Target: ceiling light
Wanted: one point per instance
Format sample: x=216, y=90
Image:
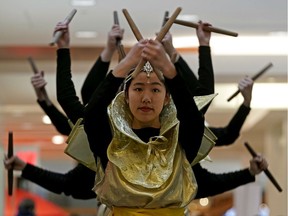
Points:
x=46, y=119
x=204, y=202
x=86, y=34
x=82, y=3
x=271, y=45
x=58, y=139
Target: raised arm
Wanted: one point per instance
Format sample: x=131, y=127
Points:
x=205, y=83
x=205, y=71
x=191, y=119
x=227, y=135
x=58, y=119
x=101, y=66
x=96, y=121
x=66, y=94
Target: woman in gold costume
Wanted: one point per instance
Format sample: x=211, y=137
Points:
x=144, y=155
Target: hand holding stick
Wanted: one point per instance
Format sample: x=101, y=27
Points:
x=120, y=48
x=138, y=36
x=256, y=76
x=168, y=24
x=267, y=172
x=32, y=63
x=67, y=20
x=206, y=28
x=10, y=171
x=159, y=37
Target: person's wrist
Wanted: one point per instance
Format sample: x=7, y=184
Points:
x=247, y=103
x=252, y=172
x=63, y=45
x=169, y=71
x=23, y=166
x=204, y=43
x=174, y=57
x=107, y=54
x=40, y=97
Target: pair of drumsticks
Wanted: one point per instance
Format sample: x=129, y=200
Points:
x=167, y=23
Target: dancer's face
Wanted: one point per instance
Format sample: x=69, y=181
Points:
x=146, y=98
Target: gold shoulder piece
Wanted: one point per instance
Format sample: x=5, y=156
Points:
x=78, y=146
x=208, y=142
x=202, y=101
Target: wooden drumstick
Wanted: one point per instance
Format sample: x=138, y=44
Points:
x=67, y=20
x=119, y=45
x=166, y=17
x=159, y=37
x=10, y=171
x=256, y=76
x=33, y=65
x=115, y=15
x=266, y=171
x=138, y=36
x=132, y=25
x=206, y=28
x=168, y=24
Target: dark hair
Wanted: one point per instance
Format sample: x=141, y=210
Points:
x=26, y=207
x=125, y=85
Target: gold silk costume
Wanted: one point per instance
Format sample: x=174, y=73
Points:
x=78, y=145
x=143, y=176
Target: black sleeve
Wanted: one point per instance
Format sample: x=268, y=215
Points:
x=204, y=85
x=58, y=119
x=77, y=183
x=205, y=74
x=95, y=76
x=188, y=75
x=210, y=184
x=191, y=127
x=66, y=94
x=227, y=135
x=96, y=119
x=205, y=71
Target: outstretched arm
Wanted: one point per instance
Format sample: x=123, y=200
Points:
x=71, y=183
x=210, y=184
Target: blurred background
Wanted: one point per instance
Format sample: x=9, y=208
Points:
x=26, y=31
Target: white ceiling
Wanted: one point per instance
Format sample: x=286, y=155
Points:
x=27, y=26
x=32, y=22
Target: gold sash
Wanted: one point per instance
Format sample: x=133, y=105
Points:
x=151, y=212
